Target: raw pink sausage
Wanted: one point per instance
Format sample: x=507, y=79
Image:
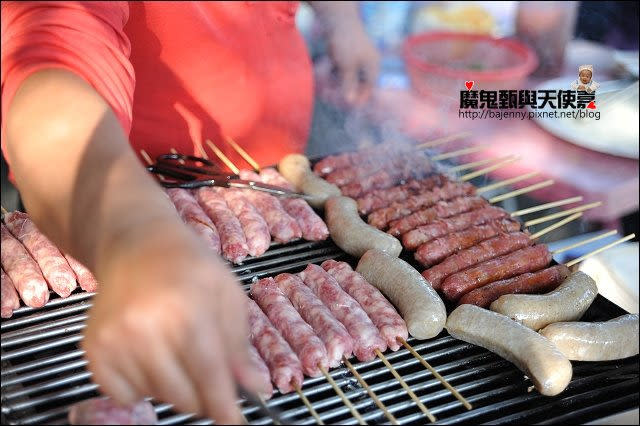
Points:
x=23, y=271
x=54, y=266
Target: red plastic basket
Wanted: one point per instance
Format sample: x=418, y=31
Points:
x=441, y=62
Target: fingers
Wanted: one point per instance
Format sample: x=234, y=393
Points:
x=208, y=368
x=237, y=351
x=350, y=82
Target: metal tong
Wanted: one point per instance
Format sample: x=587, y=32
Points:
x=190, y=172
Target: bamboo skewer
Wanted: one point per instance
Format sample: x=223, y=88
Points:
x=558, y=203
x=435, y=374
x=341, y=394
x=306, y=402
x=443, y=140
x=478, y=163
x=459, y=152
x=488, y=169
x=173, y=151
x=244, y=154
x=601, y=249
x=521, y=191
x=586, y=241
x=222, y=157
x=562, y=213
x=370, y=391
x=406, y=387
x=506, y=182
x=555, y=225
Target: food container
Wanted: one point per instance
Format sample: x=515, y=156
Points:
x=439, y=63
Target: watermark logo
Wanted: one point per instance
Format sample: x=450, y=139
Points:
x=577, y=102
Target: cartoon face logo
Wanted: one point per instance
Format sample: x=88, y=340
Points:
x=585, y=82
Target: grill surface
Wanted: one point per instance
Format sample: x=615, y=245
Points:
x=43, y=371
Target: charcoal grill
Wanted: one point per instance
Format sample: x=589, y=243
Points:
x=43, y=370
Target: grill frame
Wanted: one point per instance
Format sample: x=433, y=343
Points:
x=42, y=376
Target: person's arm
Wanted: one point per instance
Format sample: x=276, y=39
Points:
x=169, y=320
x=355, y=58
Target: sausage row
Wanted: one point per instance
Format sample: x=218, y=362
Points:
x=32, y=264
x=239, y=223
x=304, y=323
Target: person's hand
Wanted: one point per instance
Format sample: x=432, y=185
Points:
x=581, y=87
x=355, y=59
x=169, y=322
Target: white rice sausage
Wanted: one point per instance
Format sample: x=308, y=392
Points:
x=595, y=341
x=354, y=235
x=535, y=355
x=418, y=303
x=297, y=170
x=568, y=302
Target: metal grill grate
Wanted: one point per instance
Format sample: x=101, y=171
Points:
x=43, y=371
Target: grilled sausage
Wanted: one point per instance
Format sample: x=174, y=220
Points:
x=529, y=259
x=418, y=303
x=297, y=170
x=381, y=217
x=529, y=283
x=380, y=198
x=55, y=268
x=566, y=303
x=10, y=299
x=536, y=356
x=441, y=209
x=489, y=249
x=440, y=227
x=335, y=336
x=435, y=251
x=595, y=341
x=380, y=311
x=23, y=271
x=284, y=365
x=352, y=234
x=105, y=411
x=294, y=329
x=365, y=335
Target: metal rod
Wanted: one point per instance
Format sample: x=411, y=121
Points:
x=521, y=191
x=223, y=157
x=562, y=213
x=555, y=226
x=443, y=140
x=306, y=402
x=506, y=182
x=587, y=241
x=342, y=396
x=436, y=374
x=601, y=249
x=244, y=154
x=406, y=387
x=370, y=391
x=488, y=169
x=459, y=152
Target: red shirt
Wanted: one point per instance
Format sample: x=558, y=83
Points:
x=175, y=73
